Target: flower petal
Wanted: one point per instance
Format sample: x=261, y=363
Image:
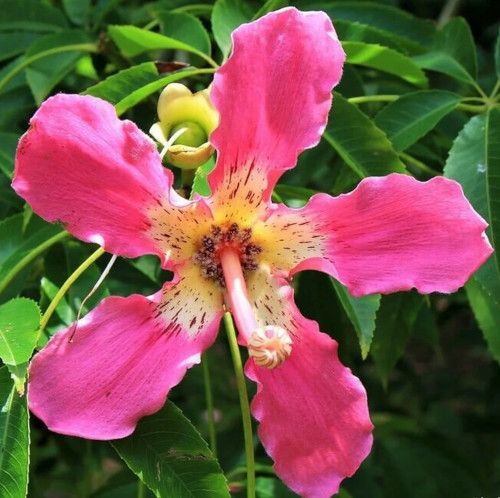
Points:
x=313, y=412
x=125, y=356
x=390, y=234
x=79, y=164
x=273, y=96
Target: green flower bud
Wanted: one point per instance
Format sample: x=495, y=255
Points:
x=179, y=108
x=194, y=135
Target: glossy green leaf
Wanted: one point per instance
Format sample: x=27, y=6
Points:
x=384, y=59
x=8, y=144
x=185, y=28
x=474, y=161
x=416, y=33
x=269, y=6
x=445, y=64
x=21, y=245
x=42, y=75
x=413, y=115
x=363, y=146
x=30, y=15
x=19, y=321
x=12, y=44
x=227, y=15
x=14, y=439
x=63, y=309
x=394, y=324
x=77, y=10
x=171, y=457
x=362, y=312
x=497, y=54
x=128, y=87
x=455, y=39
x=133, y=41
x=485, y=303
x=200, y=183
x=356, y=31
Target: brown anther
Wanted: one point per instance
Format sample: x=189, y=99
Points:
x=210, y=245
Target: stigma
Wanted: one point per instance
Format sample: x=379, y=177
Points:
x=269, y=346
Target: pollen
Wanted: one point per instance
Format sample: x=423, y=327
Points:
x=220, y=237
x=270, y=346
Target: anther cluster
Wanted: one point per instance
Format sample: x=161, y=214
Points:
x=220, y=237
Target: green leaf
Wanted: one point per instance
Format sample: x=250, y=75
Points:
x=269, y=6
x=362, y=312
x=185, y=28
x=363, y=146
x=384, y=59
x=453, y=53
x=474, y=161
x=171, y=457
x=14, y=434
x=200, y=183
x=356, y=31
x=30, y=15
x=416, y=33
x=78, y=10
x=19, y=321
x=43, y=75
x=413, y=115
x=395, y=319
x=133, y=41
x=20, y=246
x=497, y=54
x=227, y=15
x=485, y=305
x=8, y=144
x=128, y=87
x=12, y=44
x=445, y=64
x=455, y=39
x=63, y=309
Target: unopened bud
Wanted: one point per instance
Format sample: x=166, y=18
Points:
x=179, y=108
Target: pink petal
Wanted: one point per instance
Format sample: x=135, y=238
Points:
x=273, y=96
x=313, y=412
x=390, y=234
x=125, y=356
x=81, y=165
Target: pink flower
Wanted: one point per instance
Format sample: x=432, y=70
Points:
x=103, y=179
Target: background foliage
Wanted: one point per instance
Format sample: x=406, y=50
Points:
x=419, y=94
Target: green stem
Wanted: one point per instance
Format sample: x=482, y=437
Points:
x=260, y=468
x=276, y=197
x=23, y=262
x=480, y=90
x=418, y=164
x=391, y=98
x=151, y=24
x=77, y=47
x=472, y=108
x=373, y=98
x=65, y=287
x=141, y=489
x=495, y=90
x=244, y=405
x=195, y=9
x=212, y=437
x=187, y=177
